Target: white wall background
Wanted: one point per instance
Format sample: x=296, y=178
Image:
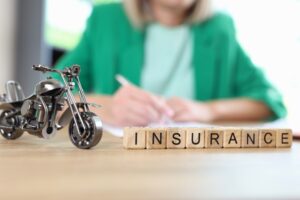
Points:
x=7, y=40
x=269, y=30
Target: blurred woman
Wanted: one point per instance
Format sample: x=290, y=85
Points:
x=183, y=62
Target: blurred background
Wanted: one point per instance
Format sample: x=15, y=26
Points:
x=40, y=31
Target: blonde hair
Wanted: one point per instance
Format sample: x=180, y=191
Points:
x=139, y=15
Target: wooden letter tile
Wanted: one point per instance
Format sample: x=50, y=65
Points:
x=214, y=138
x=176, y=138
x=284, y=138
x=267, y=138
x=134, y=138
x=250, y=138
x=156, y=138
x=232, y=138
x=195, y=138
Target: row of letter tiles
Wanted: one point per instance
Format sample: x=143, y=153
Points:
x=194, y=138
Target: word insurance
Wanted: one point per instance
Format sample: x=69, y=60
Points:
x=193, y=138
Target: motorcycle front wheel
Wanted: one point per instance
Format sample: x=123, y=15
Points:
x=89, y=137
x=11, y=122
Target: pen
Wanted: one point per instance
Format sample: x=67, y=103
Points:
x=123, y=81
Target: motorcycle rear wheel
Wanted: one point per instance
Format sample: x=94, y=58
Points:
x=93, y=131
x=11, y=122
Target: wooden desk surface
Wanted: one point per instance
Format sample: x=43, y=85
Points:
x=33, y=168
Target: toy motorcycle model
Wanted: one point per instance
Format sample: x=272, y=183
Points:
x=37, y=114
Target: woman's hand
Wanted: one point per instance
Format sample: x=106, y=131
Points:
x=188, y=111
x=134, y=106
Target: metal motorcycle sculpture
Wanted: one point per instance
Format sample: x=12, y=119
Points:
x=37, y=114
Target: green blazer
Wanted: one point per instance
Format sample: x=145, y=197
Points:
x=111, y=45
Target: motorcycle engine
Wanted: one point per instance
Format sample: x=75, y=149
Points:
x=28, y=109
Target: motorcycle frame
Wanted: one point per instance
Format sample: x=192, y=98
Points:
x=70, y=99
x=68, y=76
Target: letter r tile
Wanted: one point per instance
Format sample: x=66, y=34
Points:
x=214, y=137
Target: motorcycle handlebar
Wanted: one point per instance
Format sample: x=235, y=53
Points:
x=41, y=68
x=68, y=71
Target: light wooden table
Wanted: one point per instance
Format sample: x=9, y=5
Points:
x=32, y=168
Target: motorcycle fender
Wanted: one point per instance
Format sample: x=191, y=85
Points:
x=65, y=118
x=67, y=115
